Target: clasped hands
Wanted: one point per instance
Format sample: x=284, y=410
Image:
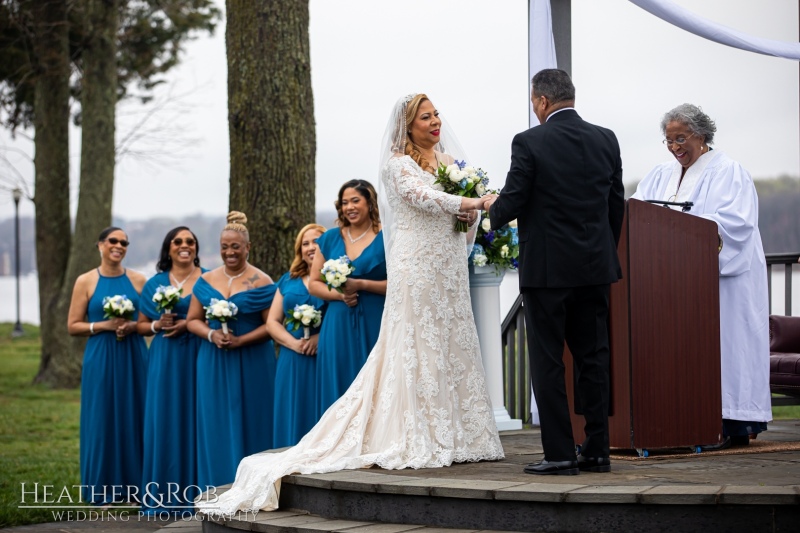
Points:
x=225, y=341
x=483, y=203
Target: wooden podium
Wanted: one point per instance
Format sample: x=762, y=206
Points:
x=664, y=334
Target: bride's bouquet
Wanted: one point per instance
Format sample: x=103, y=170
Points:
x=305, y=315
x=221, y=310
x=118, y=306
x=461, y=180
x=335, y=272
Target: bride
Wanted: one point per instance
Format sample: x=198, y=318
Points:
x=420, y=401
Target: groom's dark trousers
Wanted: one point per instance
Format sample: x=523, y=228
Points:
x=565, y=189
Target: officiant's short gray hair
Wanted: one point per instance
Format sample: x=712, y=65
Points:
x=694, y=119
x=554, y=84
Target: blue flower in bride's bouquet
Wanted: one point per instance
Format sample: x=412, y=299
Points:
x=463, y=183
x=461, y=164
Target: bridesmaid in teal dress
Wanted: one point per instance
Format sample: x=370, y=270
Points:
x=295, y=379
x=112, y=379
x=235, y=370
x=169, y=476
x=353, y=318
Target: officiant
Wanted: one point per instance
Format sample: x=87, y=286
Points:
x=722, y=190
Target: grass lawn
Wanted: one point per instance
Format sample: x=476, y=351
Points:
x=38, y=431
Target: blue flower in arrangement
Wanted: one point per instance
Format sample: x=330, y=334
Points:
x=496, y=247
x=461, y=164
x=463, y=183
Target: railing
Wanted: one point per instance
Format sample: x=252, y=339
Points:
x=788, y=261
x=516, y=369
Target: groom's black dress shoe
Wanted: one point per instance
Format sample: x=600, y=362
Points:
x=594, y=464
x=557, y=468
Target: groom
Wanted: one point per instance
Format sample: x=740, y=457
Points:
x=565, y=187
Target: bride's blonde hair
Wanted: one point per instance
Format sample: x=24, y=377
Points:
x=412, y=149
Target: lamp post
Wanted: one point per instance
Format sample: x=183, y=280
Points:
x=17, y=192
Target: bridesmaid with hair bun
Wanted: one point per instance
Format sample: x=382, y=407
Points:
x=235, y=370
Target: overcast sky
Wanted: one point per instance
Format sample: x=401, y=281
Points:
x=470, y=57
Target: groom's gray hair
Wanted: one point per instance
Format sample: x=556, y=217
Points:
x=554, y=84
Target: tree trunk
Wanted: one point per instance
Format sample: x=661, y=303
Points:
x=98, y=111
x=271, y=124
x=51, y=142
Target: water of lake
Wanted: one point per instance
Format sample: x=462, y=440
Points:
x=29, y=295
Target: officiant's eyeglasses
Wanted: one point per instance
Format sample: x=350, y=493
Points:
x=114, y=241
x=679, y=141
x=179, y=241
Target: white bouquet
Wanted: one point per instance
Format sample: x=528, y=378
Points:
x=118, y=306
x=221, y=310
x=305, y=315
x=166, y=298
x=335, y=272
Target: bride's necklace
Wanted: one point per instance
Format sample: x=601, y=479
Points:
x=231, y=278
x=179, y=284
x=352, y=240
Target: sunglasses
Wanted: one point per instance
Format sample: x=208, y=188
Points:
x=179, y=241
x=121, y=242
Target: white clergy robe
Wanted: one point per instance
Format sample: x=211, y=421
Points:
x=723, y=191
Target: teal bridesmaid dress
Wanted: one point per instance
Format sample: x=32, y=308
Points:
x=348, y=334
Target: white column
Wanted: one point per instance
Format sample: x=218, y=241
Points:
x=484, y=288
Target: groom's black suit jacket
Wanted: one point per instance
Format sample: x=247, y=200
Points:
x=565, y=190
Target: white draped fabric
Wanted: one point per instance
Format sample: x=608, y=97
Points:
x=541, y=55
x=683, y=18
x=541, y=47
x=723, y=191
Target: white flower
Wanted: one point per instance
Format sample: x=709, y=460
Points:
x=513, y=223
x=479, y=260
x=469, y=171
x=480, y=189
x=297, y=314
x=157, y=297
x=486, y=224
x=456, y=176
x=504, y=251
x=451, y=169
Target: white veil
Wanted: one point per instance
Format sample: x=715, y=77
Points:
x=394, y=142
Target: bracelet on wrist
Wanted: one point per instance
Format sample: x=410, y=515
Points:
x=153, y=327
x=91, y=328
x=210, y=332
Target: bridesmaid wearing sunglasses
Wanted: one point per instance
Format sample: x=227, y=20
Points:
x=170, y=461
x=113, y=376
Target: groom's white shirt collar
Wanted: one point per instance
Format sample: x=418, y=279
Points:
x=558, y=111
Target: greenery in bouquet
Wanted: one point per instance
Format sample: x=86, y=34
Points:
x=461, y=180
x=499, y=248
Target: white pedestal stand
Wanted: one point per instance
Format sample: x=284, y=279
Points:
x=484, y=288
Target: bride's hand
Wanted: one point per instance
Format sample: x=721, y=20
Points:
x=468, y=216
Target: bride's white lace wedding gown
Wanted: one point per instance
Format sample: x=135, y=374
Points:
x=420, y=401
